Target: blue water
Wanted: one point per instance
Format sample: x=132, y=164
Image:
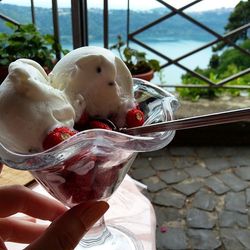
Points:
x=172, y=49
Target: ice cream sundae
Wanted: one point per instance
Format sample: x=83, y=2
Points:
x=63, y=128
x=88, y=88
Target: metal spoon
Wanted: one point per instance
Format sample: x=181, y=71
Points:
x=192, y=122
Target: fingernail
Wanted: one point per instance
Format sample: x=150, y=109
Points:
x=93, y=213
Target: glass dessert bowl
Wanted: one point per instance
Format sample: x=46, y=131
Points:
x=92, y=164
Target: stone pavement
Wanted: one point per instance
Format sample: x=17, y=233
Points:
x=201, y=196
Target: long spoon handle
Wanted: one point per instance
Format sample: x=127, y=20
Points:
x=192, y=122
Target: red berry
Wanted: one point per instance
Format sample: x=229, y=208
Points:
x=99, y=124
x=56, y=136
x=79, y=186
x=134, y=118
x=84, y=119
x=107, y=177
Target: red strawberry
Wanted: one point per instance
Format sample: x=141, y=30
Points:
x=82, y=123
x=84, y=119
x=99, y=124
x=79, y=186
x=56, y=136
x=105, y=183
x=107, y=177
x=134, y=118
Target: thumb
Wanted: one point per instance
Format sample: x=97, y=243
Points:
x=66, y=232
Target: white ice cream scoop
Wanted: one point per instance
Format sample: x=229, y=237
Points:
x=29, y=107
x=90, y=79
x=95, y=81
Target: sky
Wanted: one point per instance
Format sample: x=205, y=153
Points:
x=134, y=4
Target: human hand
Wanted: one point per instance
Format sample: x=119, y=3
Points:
x=64, y=233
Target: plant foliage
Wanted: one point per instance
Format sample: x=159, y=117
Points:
x=225, y=64
x=239, y=17
x=230, y=62
x=135, y=60
x=27, y=42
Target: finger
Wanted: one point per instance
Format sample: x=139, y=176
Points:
x=66, y=232
x=25, y=218
x=17, y=198
x=21, y=231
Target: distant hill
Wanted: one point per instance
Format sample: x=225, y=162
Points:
x=175, y=28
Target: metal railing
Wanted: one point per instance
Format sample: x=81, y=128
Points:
x=79, y=13
x=176, y=61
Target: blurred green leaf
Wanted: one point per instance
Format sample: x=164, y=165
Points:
x=135, y=60
x=228, y=63
x=26, y=41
